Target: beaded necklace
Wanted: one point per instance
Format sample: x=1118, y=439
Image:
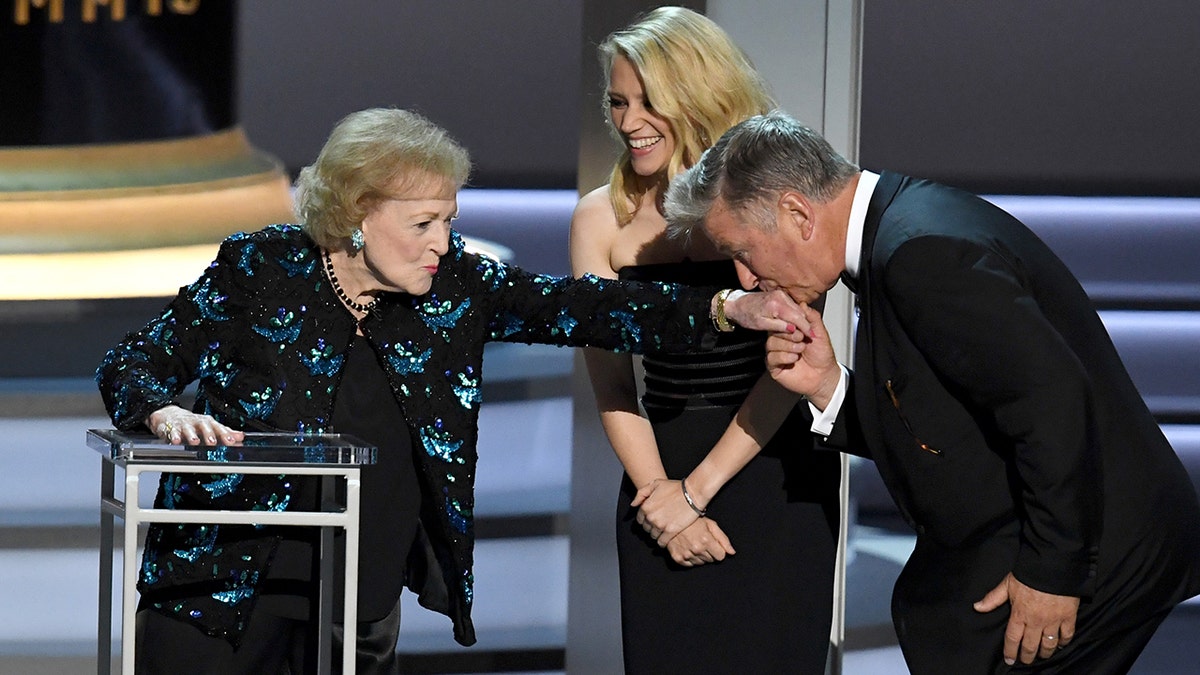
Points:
x=337, y=288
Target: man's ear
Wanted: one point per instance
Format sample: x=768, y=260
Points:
x=798, y=211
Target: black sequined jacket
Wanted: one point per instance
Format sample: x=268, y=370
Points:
x=264, y=337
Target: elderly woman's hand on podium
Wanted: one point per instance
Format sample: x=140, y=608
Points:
x=179, y=426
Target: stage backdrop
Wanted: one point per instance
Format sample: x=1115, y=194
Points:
x=1091, y=96
x=118, y=133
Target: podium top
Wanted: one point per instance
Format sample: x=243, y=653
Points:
x=258, y=448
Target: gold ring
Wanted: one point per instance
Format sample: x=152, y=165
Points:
x=167, y=428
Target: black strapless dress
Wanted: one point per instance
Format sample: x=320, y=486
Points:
x=768, y=608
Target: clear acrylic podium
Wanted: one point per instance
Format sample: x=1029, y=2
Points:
x=328, y=456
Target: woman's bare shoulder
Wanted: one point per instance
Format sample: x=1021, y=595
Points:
x=595, y=209
x=594, y=231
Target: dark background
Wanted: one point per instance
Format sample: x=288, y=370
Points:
x=1030, y=96
x=999, y=96
x=503, y=77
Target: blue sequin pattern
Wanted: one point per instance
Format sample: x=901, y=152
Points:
x=443, y=315
x=467, y=389
x=223, y=485
x=323, y=359
x=249, y=259
x=283, y=327
x=440, y=444
x=407, y=360
x=211, y=303
x=202, y=542
x=459, y=515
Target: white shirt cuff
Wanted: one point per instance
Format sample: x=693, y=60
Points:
x=823, y=419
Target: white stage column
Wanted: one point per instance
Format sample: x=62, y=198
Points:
x=810, y=52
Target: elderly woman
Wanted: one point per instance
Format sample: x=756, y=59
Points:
x=369, y=319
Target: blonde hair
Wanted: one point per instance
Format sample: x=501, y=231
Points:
x=699, y=81
x=372, y=155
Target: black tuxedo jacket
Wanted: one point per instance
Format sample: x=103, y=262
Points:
x=990, y=396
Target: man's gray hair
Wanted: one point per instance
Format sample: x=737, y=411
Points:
x=750, y=166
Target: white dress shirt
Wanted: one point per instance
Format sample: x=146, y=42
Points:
x=823, y=419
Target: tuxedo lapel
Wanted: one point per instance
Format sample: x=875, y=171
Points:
x=867, y=390
x=885, y=190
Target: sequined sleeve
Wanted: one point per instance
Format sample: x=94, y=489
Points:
x=152, y=366
x=592, y=312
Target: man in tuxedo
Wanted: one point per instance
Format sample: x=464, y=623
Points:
x=1056, y=527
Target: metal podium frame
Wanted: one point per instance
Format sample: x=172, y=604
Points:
x=329, y=456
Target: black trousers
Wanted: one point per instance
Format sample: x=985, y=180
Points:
x=940, y=632
x=271, y=645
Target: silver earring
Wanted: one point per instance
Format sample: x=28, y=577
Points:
x=356, y=239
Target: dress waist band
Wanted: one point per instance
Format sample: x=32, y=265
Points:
x=722, y=376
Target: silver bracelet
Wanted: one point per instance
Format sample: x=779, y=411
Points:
x=699, y=511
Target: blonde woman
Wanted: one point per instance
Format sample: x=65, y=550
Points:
x=700, y=459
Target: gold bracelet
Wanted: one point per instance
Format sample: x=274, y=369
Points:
x=719, y=319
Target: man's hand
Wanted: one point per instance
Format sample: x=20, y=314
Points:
x=803, y=360
x=1039, y=624
x=769, y=311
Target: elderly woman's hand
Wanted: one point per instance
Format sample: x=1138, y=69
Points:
x=176, y=425
x=773, y=311
x=805, y=362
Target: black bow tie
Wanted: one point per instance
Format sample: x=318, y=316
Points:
x=850, y=282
